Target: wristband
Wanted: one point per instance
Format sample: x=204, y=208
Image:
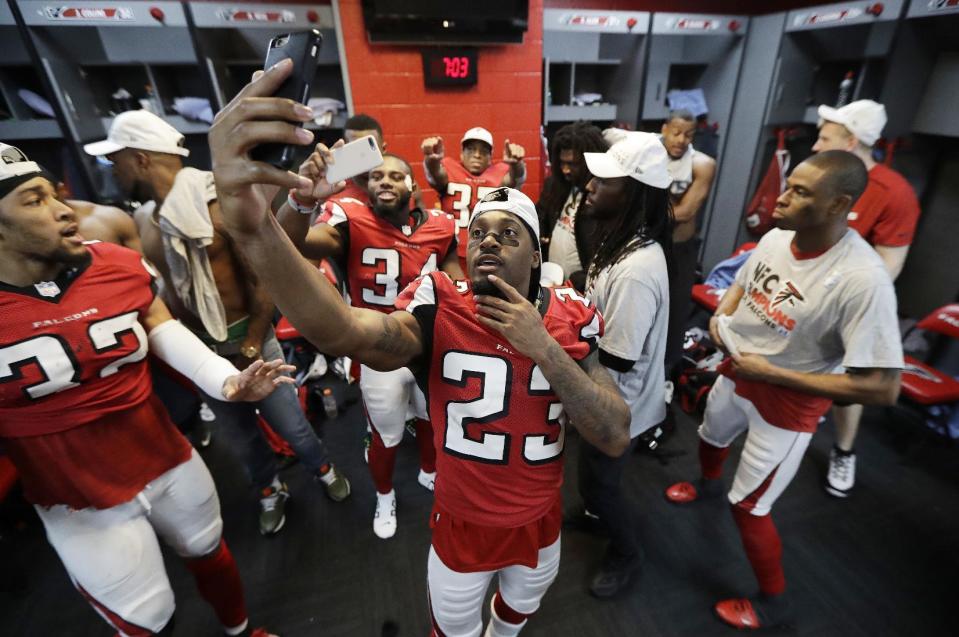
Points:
x=300, y=208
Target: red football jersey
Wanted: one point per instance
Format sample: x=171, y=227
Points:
x=381, y=259
x=888, y=211
x=499, y=427
x=72, y=362
x=464, y=190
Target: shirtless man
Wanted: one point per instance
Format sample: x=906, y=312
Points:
x=229, y=310
x=692, y=173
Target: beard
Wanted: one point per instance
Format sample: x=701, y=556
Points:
x=401, y=203
x=69, y=258
x=483, y=287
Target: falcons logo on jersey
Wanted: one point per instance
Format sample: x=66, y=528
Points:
x=788, y=293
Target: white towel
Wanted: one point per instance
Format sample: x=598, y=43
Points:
x=187, y=231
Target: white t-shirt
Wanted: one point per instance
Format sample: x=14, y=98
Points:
x=817, y=314
x=633, y=297
x=562, y=245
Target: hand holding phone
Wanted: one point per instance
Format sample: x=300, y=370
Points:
x=303, y=48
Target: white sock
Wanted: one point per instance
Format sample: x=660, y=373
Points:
x=328, y=477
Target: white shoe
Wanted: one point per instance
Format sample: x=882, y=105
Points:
x=842, y=473
x=384, y=519
x=426, y=479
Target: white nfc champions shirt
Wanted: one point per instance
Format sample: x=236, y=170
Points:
x=815, y=315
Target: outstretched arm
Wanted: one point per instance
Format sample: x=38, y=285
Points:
x=588, y=393
x=513, y=155
x=433, y=154
x=299, y=290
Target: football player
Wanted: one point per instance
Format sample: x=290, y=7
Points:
x=505, y=364
x=382, y=246
x=99, y=458
x=461, y=183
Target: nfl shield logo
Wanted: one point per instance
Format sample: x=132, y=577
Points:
x=47, y=288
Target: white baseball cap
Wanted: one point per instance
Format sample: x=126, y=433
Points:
x=514, y=202
x=479, y=133
x=15, y=169
x=613, y=135
x=863, y=118
x=638, y=155
x=141, y=130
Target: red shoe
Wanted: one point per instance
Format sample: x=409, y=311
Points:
x=738, y=613
x=682, y=493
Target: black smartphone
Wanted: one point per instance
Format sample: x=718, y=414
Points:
x=303, y=48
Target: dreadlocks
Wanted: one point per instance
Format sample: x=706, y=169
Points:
x=648, y=217
x=579, y=137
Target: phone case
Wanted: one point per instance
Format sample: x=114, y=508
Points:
x=359, y=156
x=303, y=48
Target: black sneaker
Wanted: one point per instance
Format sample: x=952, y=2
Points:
x=585, y=522
x=614, y=575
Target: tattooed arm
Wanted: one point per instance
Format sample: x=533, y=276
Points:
x=590, y=398
x=587, y=391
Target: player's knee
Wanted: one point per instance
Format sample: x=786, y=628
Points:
x=154, y=612
x=201, y=543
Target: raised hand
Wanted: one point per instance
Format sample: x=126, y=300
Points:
x=257, y=381
x=515, y=318
x=513, y=153
x=314, y=169
x=432, y=148
x=254, y=117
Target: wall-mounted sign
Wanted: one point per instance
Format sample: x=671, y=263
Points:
x=88, y=13
x=244, y=15
x=592, y=20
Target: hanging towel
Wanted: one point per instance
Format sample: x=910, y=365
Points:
x=187, y=231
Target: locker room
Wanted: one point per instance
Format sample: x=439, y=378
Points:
x=314, y=316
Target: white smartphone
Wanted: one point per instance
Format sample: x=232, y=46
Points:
x=359, y=156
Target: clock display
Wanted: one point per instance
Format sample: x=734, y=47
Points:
x=449, y=67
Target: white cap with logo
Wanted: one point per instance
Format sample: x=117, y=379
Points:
x=863, y=118
x=514, y=202
x=15, y=169
x=641, y=156
x=141, y=130
x=478, y=133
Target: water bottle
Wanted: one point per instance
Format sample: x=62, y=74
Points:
x=845, y=90
x=329, y=403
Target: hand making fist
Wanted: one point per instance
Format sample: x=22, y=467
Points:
x=513, y=153
x=432, y=148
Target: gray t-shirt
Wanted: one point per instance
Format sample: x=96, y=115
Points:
x=633, y=297
x=814, y=315
x=562, y=246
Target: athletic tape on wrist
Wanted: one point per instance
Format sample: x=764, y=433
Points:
x=182, y=350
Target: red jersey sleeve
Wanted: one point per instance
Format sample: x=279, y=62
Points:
x=574, y=322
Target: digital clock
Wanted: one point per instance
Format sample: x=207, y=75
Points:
x=450, y=67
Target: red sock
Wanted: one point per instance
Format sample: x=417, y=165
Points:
x=218, y=581
x=763, y=548
x=711, y=459
x=505, y=612
x=382, y=460
x=424, y=440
